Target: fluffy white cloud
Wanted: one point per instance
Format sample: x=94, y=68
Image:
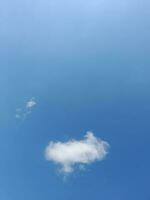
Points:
x=76, y=152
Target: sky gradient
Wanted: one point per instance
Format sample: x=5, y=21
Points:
x=86, y=64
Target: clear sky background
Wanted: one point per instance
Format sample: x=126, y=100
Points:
x=87, y=65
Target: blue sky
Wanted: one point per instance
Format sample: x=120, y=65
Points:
x=86, y=63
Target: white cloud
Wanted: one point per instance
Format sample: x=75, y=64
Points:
x=76, y=152
x=22, y=113
x=31, y=103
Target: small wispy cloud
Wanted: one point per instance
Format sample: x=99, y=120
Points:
x=22, y=113
x=74, y=153
x=31, y=103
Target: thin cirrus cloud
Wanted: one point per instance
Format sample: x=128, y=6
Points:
x=68, y=155
x=22, y=113
x=31, y=103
